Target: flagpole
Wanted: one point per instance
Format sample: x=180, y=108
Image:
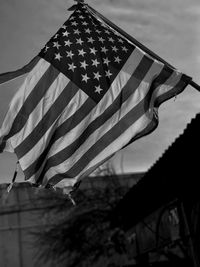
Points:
x=140, y=45
x=195, y=85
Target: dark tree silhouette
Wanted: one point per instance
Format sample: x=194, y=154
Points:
x=80, y=235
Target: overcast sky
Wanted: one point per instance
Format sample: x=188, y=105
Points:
x=170, y=28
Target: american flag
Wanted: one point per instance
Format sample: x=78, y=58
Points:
x=89, y=93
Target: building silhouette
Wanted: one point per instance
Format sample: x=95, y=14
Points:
x=171, y=185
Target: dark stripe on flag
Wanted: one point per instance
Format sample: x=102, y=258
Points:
x=129, y=89
x=178, y=88
x=8, y=76
x=48, y=119
x=67, y=126
x=31, y=102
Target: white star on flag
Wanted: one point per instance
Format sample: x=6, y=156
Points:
x=101, y=40
x=56, y=44
x=98, y=89
x=84, y=23
x=88, y=31
x=93, y=50
x=104, y=50
x=64, y=27
x=81, y=52
x=85, y=78
x=97, y=75
x=108, y=73
x=91, y=40
x=117, y=59
x=79, y=41
x=66, y=33
x=68, y=43
x=111, y=39
x=95, y=62
x=84, y=64
x=114, y=48
x=106, y=61
x=56, y=36
x=124, y=49
x=46, y=48
x=58, y=56
x=77, y=32
x=69, y=54
x=74, y=23
x=72, y=67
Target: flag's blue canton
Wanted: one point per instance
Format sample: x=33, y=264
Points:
x=88, y=53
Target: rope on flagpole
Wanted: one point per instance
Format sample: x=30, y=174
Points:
x=14, y=177
x=10, y=186
x=140, y=45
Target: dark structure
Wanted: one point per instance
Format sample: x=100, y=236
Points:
x=173, y=178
